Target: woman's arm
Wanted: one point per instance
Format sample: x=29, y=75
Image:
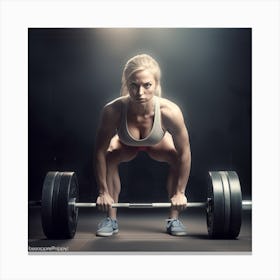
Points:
x=106, y=130
x=174, y=123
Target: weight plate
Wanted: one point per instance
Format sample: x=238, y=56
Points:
x=236, y=205
x=66, y=215
x=227, y=201
x=47, y=220
x=216, y=206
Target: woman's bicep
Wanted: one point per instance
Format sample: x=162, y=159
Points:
x=106, y=128
x=178, y=130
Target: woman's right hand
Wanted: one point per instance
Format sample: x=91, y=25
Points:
x=104, y=201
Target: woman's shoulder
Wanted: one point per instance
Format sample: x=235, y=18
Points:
x=115, y=104
x=171, y=113
x=111, y=111
x=167, y=106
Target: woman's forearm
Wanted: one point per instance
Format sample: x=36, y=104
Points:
x=100, y=171
x=184, y=166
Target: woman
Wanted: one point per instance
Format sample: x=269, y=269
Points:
x=141, y=120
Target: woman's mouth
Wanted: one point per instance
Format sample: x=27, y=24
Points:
x=140, y=100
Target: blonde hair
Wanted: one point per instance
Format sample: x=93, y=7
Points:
x=137, y=63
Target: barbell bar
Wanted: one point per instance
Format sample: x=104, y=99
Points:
x=60, y=205
x=246, y=205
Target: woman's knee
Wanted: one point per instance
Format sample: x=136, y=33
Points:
x=116, y=155
x=112, y=158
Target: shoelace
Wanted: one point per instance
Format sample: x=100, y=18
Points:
x=105, y=222
x=175, y=222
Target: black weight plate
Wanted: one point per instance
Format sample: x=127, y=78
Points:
x=73, y=194
x=66, y=215
x=236, y=205
x=47, y=220
x=215, y=210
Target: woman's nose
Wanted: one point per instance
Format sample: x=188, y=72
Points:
x=140, y=90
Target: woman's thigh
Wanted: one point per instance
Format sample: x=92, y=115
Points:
x=164, y=151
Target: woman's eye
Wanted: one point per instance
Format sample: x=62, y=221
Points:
x=133, y=86
x=147, y=85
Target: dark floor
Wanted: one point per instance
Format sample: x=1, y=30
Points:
x=140, y=230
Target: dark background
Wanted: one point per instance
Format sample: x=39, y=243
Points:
x=73, y=73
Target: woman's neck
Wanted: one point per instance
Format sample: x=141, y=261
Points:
x=143, y=109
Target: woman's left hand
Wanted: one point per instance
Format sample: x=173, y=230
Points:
x=179, y=201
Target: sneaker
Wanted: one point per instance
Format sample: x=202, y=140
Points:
x=175, y=227
x=107, y=227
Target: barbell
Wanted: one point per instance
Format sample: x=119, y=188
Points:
x=60, y=204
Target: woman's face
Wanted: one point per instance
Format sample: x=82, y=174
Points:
x=142, y=86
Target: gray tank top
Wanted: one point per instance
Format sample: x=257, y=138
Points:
x=154, y=137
